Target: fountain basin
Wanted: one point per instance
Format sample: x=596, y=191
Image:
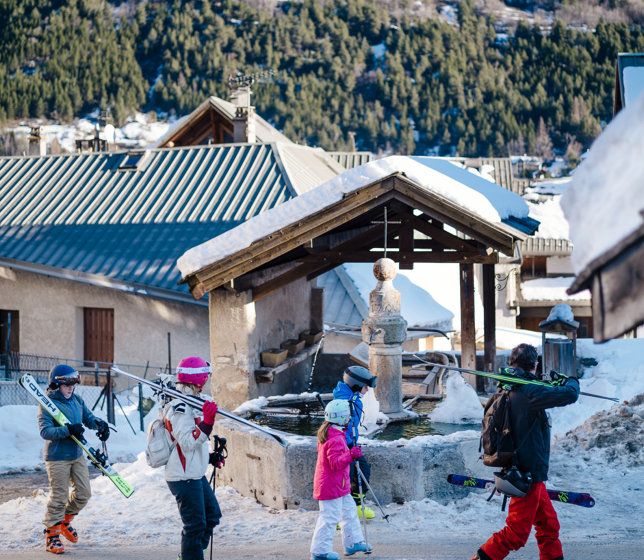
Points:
x=402, y=470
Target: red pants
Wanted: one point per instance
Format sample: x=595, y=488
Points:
x=534, y=509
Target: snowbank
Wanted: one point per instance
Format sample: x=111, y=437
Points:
x=461, y=404
x=617, y=434
x=487, y=200
x=601, y=215
x=619, y=373
x=418, y=307
x=551, y=289
x=22, y=447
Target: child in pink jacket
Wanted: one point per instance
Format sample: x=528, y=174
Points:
x=332, y=487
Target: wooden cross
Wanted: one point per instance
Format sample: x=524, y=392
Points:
x=385, y=222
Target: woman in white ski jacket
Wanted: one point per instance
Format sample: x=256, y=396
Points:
x=185, y=471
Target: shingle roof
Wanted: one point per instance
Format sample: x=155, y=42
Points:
x=79, y=212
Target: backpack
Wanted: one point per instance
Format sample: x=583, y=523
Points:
x=496, y=432
x=159, y=442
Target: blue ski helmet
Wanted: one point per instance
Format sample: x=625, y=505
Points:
x=63, y=375
x=358, y=376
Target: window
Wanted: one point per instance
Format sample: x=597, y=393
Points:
x=9, y=336
x=585, y=327
x=133, y=161
x=98, y=335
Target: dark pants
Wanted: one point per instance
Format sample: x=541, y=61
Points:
x=199, y=512
x=353, y=476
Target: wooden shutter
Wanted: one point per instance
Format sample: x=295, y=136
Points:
x=99, y=335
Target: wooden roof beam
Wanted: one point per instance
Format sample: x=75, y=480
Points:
x=403, y=257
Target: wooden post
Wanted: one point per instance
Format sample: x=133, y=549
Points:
x=468, y=332
x=489, y=318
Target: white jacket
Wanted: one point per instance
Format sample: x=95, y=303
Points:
x=189, y=458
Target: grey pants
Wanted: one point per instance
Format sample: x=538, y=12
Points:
x=61, y=474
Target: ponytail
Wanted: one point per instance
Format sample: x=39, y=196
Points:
x=323, y=432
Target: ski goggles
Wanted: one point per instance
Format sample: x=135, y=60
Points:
x=72, y=378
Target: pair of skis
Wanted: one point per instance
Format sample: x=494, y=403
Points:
x=166, y=389
x=98, y=459
x=575, y=498
x=508, y=379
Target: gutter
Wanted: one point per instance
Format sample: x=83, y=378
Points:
x=102, y=282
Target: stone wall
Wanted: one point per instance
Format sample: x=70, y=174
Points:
x=282, y=477
x=241, y=329
x=51, y=320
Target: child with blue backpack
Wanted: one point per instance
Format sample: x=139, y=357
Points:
x=355, y=383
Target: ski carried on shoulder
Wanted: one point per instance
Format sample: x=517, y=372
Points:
x=575, y=498
x=161, y=388
x=97, y=458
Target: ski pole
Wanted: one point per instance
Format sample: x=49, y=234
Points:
x=510, y=379
x=385, y=516
x=360, y=477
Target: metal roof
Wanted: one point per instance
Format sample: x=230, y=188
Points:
x=306, y=166
x=343, y=306
x=80, y=213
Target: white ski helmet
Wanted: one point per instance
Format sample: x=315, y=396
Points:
x=337, y=412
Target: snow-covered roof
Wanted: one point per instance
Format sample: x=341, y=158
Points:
x=486, y=200
x=551, y=289
x=605, y=199
x=553, y=223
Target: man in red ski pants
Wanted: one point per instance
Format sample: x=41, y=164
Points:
x=527, y=406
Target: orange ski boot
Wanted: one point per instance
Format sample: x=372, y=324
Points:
x=53, y=540
x=67, y=530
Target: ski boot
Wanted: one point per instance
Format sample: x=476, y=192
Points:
x=328, y=556
x=368, y=511
x=67, y=530
x=369, y=514
x=357, y=547
x=53, y=543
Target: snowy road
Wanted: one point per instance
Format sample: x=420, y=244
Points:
x=441, y=549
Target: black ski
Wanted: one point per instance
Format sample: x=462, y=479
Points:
x=575, y=498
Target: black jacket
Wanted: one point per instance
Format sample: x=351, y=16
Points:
x=527, y=404
x=59, y=446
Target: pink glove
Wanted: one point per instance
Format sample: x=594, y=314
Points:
x=356, y=452
x=209, y=412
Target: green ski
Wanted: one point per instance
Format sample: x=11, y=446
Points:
x=508, y=378
x=96, y=457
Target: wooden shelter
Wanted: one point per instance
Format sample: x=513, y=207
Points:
x=422, y=227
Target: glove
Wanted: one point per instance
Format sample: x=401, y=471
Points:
x=103, y=428
x=356, y=452
x=560, y=379
x=216, y=461
x=209, y=412
x=76, y=430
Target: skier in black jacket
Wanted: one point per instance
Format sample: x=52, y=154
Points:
x=527, y=406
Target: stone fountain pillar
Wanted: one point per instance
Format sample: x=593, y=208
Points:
x=384, y=330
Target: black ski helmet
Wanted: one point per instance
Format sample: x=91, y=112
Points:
x=357, y=375
x=63, y=375
x=513, y=483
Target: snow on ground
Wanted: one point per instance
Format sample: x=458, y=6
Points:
x=487, y=200
x=418, y=307
x=601, y=215
x=22, y=447
x=551, y=289
x=461, y=404
x=619, y=373
x=139, y=132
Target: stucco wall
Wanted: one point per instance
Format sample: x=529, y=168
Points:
x=51, y=320
x=240, y=329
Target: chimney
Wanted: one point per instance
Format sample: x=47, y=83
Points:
x=37, y=143
x=244, y=120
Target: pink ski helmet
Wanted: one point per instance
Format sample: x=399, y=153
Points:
x=193, y=370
